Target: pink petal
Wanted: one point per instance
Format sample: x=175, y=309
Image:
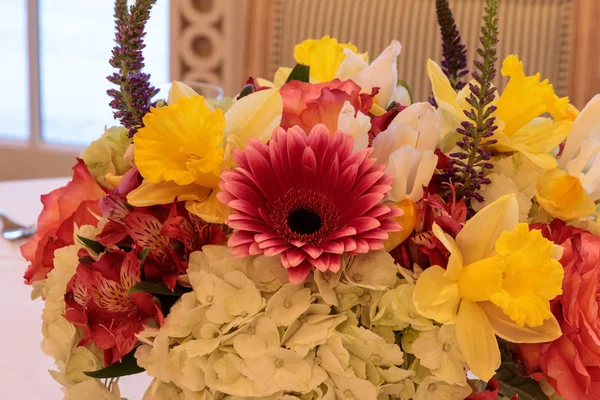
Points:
x=271, y=243
x=363, y=224
x=345, y=231
x=335, y=263
x=294, y=257
x=313, y=251
x=274, y=250
x=239, y=238
x=349, y=244
x=298, y=274
x=321, y=263
x=360, y=206
x=336, y=246
x=362, y=246
x=241, y=251
x=375, y=234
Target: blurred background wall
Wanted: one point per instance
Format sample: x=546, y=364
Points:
x=53, y=73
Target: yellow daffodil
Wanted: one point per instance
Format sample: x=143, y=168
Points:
x=323, y=56
x=181, y=143
x=570, y=191
x=184, y=146
x=499, y=280
x=518, y=116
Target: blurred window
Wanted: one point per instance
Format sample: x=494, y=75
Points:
x=66, y=65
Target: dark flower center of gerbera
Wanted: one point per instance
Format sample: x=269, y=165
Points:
x=304, y=221
x=304, y=215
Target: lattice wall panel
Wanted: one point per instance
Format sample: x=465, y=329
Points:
x=206, y=42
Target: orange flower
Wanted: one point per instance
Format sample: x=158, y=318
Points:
x=308, y=104
x=77, y=202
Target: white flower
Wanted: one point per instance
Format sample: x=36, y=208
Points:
x=381, y=73
x=373, y=270
x=92, y=389
x=407, y=146
x=288, y=303
x=580, y=155
x=437, y=350
x=433, y=389
x=356, y=126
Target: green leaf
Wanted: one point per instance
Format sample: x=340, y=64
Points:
x=512, y=383
x=91, y=244
x=405, y=86
x=300, y=72
x=127, y=366
x=143, y=254
x=157, y=288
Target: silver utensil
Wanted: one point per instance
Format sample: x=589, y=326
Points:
x=14, y=231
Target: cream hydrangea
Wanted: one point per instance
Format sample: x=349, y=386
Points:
x=60, y=337
x=245, y=332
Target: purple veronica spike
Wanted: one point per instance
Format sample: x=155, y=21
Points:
x=469, y=166
x=132, y=98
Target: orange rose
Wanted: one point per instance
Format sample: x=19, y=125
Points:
x=75, y=203
x=571, y=364
x=309, y=104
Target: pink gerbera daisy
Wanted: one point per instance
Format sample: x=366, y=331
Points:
x=307, y=198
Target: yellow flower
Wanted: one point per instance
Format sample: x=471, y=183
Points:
x=570, y=191
x=518, y=116
x=499, y=280
x=181, y=143
x=324, y=56
x=183, y=148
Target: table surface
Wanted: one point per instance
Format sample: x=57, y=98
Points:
x=23, y=366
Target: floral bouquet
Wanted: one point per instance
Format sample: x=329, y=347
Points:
x=322, y=236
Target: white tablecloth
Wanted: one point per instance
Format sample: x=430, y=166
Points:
x=23, y=366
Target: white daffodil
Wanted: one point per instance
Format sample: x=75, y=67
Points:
x=397, y=309
x=438, y=350
x=571, y=190
x=373, y=270
x=433, y=389
x=381, y=73
x=288, y=303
